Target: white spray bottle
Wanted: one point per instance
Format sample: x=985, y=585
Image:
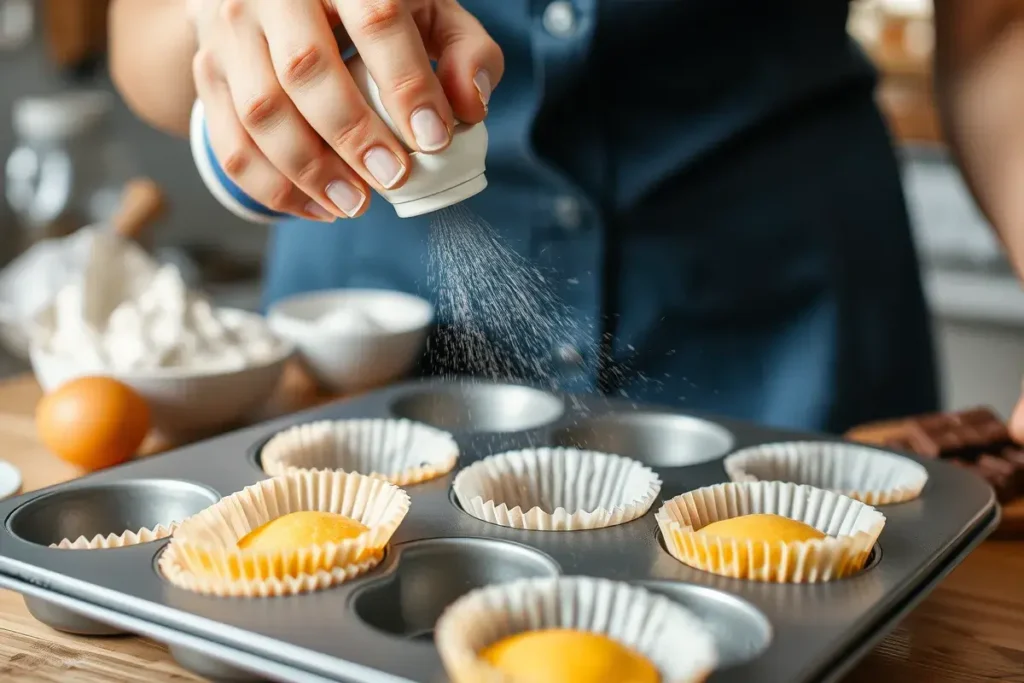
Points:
x=434, y=181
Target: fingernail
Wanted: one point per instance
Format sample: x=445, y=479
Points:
x=320, y=212
x=482, y=81
x=429, y=130
x=384, y=166
x=346, y=197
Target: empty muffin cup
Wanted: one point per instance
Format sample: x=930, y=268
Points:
x=556, y=489
x=670, y=637
x=402, y=452
x=846, y=532
x=862, y=473
x=204, y=554
x=108, y=515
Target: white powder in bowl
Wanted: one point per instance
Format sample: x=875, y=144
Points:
x=350, y=319
x=129, y=313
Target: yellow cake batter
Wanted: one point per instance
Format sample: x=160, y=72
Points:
x=567, y=656
x=760, y=540
x=762, y=527
x=301, y=530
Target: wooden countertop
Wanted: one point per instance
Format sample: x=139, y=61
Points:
x=970, y=629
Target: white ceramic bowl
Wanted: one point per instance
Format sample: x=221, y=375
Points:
x=182, y=402
x=348, y=360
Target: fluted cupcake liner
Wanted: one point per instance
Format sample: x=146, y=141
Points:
x=402, y=452
x=852, y=528
x=556, y=489
x=121, y=540
x=675, y=641
x=865, y=474
x=204, y=556
x=173, y=570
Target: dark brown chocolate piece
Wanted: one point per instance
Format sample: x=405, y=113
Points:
x=1003, y=493
x=1006, y=477
x=1014, y=454
x=898, y=444
x=964, y=435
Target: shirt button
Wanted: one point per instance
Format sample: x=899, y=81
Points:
x=560, y=19
x=568, y=213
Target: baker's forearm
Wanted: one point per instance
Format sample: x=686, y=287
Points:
x=980, y=84
x=151, y=49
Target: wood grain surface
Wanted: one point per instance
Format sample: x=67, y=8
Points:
x=971, y=629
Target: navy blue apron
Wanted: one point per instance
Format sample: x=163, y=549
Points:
x=718, y=198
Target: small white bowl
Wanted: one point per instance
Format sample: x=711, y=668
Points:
x=182, y=401
x=348, y=360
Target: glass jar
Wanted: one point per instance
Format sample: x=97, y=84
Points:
x=66, y=171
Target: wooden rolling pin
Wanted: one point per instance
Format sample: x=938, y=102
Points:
x=142, y=204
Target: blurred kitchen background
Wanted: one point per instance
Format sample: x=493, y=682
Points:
x=70, y=145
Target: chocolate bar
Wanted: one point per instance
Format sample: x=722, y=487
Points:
x=965, y=435
x=1004, y=476
x=898, y=444
x=1015, y=455
x=976, y=440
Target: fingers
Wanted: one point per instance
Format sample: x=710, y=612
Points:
x=469, y=63
x=1017, y=422
x=287, y=119
x=308, y=65
x=387, y=38
x=239, y=156
x=275, y=124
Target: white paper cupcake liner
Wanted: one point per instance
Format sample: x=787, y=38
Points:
x=402, y=452
x=203, y=555
x=865, y=474
x=852, y=527
x=556, y=489
x=125, y=539
x=174, y=571
x=676, y=642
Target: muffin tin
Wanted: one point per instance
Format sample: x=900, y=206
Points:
x=377, y=628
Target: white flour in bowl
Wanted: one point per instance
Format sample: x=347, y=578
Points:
x=129, y=313
x=350, y=319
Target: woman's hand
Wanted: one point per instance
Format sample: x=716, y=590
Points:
x=286, y=119
x=1016, y=424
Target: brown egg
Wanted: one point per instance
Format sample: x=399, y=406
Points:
x=93, y=422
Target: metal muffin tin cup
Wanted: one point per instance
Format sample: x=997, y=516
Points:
x=100, y=510
x=655, y=439
x=377, y=628
x=424, y=577
x=480, y=408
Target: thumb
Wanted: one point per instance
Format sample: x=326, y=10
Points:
x=1016, y=424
